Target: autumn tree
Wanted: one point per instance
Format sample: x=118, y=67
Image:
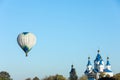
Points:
x=83, y=77
x=117, y=76
x=4, y=75
x=55, y=77
x=102, y=74
x=107, y=78
x=28, y=79
x=36, y=78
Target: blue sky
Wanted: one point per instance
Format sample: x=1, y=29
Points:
x=67, y=31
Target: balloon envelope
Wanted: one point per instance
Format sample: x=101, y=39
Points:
x=26, y=41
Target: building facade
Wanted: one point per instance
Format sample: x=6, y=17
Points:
x=100, y=69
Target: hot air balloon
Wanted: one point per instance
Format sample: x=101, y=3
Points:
x=26, y=41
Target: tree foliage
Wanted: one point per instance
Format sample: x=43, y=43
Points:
x=36, y=78
x=117, y=76
x=4, y=75
x=107, y=78
x=102, y=74
x=28, y=79
x=83, y=77
x=55, y=77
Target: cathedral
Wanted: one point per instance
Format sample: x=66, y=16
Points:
x=99, y=69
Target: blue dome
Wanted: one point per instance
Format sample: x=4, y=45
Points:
x=86, y=72
x=108, y=63
x=101, y=62
x=98, y=57
x=89, y=63
x=106, y=70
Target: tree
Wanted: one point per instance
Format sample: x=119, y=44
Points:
x=107, y=78
x=48, y=78
x=36, y=78
x=4, y=76
x=102, y=74
x=83, y=77
x=55, y=77
x=117, y=76
x=108, y=75
x=28, y=79
x=59, y=77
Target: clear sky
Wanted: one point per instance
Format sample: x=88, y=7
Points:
x=67, y=31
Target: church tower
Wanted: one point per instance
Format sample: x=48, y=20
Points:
x=89, y=67
x=98, y=63
x=73, y=75
x=108, y=70
x=90, y=71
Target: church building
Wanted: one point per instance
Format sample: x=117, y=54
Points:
x=99, y=69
